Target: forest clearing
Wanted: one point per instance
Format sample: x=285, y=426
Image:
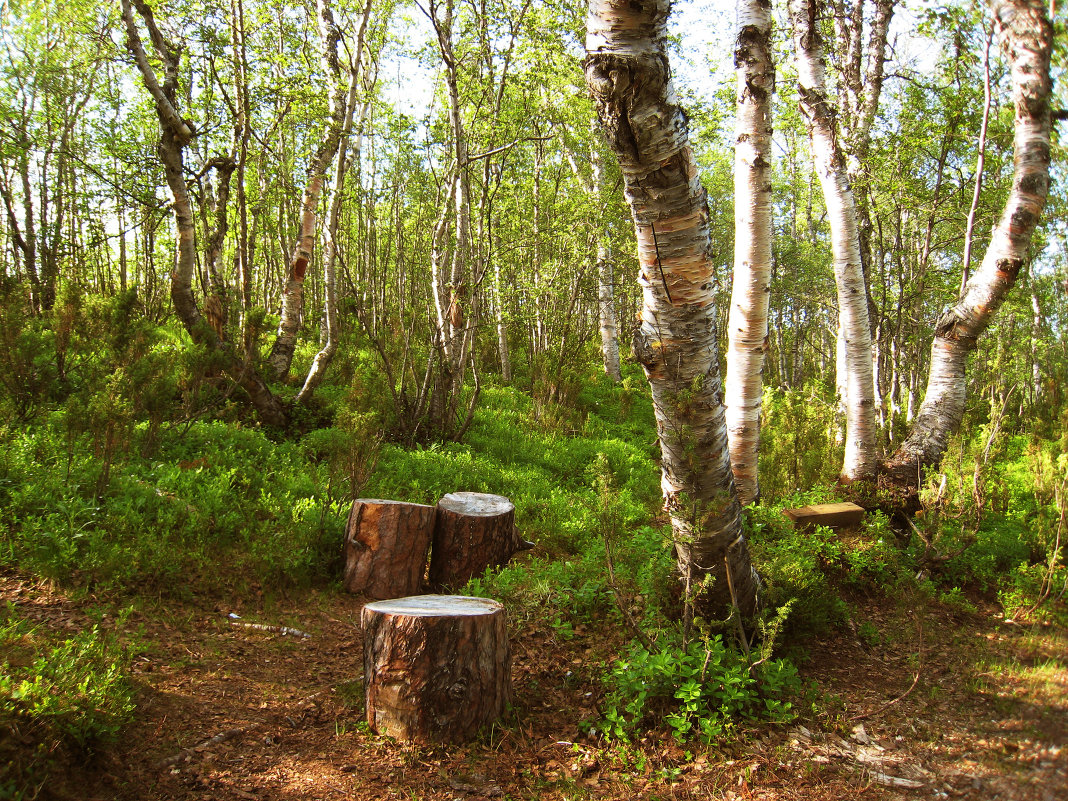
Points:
x=306, y=309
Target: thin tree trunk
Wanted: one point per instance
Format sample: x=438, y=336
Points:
x=980, y=165
x=606, y=313
x=281, y=356
x=242, y=134
x=329, y=338
x=1026, y=37
x=628, y=74
x=861, y=450
x=747, y=326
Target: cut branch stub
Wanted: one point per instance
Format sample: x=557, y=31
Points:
x=386, y=545
x=473, y=531
x=437, y=668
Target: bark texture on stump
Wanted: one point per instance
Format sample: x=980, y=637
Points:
x=473, y=531
x=386, y=545
x=437, y=668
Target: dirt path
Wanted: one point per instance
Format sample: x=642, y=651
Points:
x=986, y=719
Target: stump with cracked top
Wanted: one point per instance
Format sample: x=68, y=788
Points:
x=473, y=531
x=386, y=545
x=437, y=668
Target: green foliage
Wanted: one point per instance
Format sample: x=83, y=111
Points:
x=27, y=374
x=218, y=494
x=68, y=694
x=701, y=690
x=798, y=447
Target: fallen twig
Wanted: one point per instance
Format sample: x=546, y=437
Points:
x=283, y=630
x=621, y=601
x=893, y=781
x=221, y=737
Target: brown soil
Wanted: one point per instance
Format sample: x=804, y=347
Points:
x=987, y=717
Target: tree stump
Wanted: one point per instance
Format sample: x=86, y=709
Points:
x=437, y=668
x=473, y=531
x=386, y=545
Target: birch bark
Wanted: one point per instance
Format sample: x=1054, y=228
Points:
x=628, y=74
x=861, y=451
x=281, y=356
x=1026, y=38
x=750, y=292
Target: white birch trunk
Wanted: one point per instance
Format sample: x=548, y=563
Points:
x=1026, y=38
x=606, y=314
x=281, y=356
x=751, y=290
x=861, y=450
x=629, y=77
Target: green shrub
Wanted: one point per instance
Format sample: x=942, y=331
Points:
x=57, y=695
x=702, y=690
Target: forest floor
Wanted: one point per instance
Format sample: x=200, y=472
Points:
x=228, y=711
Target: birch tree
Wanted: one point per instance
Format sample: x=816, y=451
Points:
x=861, y=450
x=748, y=321
x=1026, y=40
x=175, y=134
x=628, y=74
x=281, y=356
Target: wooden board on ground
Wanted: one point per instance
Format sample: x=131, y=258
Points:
x=834, y=515
x=437, y=668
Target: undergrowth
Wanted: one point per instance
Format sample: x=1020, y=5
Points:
x=59, y=698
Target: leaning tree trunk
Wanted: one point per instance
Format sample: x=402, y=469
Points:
x=285, y=342
x=325, y=355
x=751, y=290
x=861, y=452
x=175, y=134
x=629, y=77
x=1026, y=36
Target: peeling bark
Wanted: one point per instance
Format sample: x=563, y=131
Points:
x=628, y=74
x=1026, y=38
x=751, y=289
x=861, y=451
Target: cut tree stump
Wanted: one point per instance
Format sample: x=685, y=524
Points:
x=834, y=515
x=473, y=531
x=386, y=545
x=437, y=668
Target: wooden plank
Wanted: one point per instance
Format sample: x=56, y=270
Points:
x=826, y=514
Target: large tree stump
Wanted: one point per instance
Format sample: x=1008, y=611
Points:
x=473, y=531
x=386, y=544
x=437, y=668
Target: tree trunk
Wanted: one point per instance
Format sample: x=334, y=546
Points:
x=629, y=77
x=1026, y=37
x=175, y=134
x=325, y=355
x=861, y=451
x=751, y=290
x=437, y=668
x=386, y=545
x=606, y=313
x=473, y=531
x=285, y=343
